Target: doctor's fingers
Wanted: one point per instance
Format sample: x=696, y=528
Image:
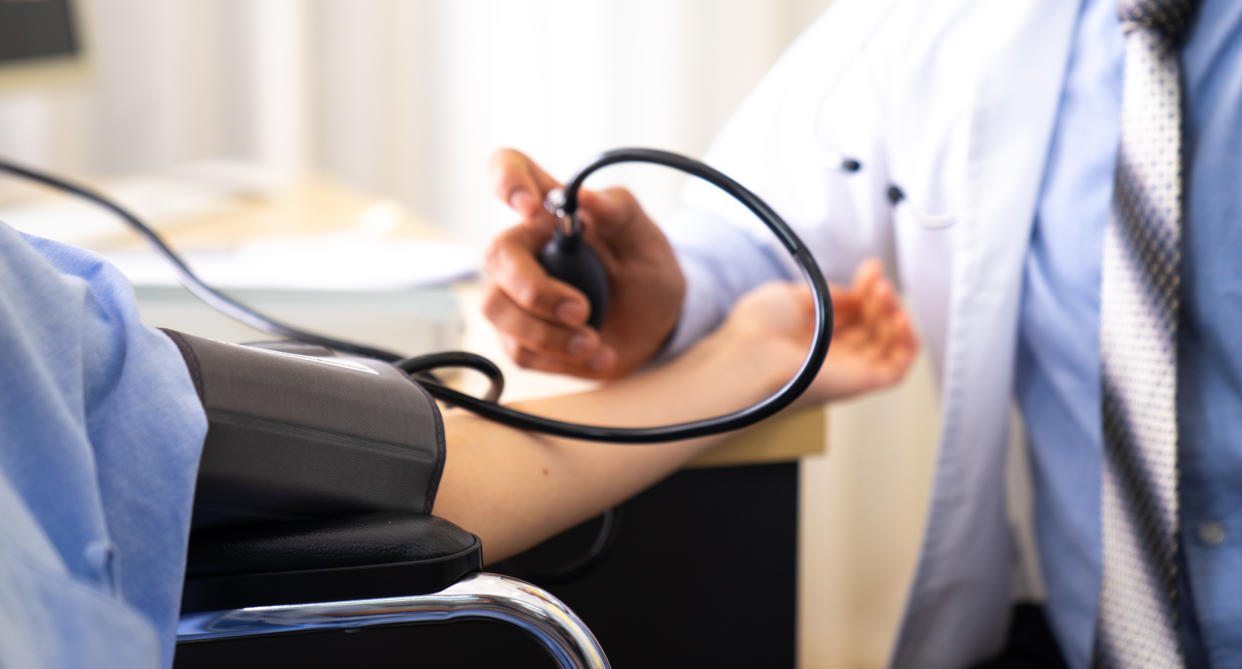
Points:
x=537, y=338
x=511, y=265
x=519, y=182
x=611, y=212
x=598, y=366
x=616, y=225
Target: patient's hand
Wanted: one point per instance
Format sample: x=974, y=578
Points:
x=873, y=343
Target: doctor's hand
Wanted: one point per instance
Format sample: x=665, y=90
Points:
x=542, y=321
x=873, y=342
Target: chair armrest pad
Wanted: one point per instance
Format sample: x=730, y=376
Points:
x=352, y=557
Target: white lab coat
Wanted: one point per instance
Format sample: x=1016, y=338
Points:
x=954, y=101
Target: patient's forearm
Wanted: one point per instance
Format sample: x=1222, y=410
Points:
x=515, y=488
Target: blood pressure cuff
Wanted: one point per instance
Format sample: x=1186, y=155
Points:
x=298, y=431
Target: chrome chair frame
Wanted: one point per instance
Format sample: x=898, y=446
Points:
x=479, y=596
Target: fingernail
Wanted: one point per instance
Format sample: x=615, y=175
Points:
x=601, y=361
x=522, y=201
x=571, y=312
x=580, y=345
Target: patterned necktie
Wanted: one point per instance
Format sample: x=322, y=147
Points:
x=1137, y=624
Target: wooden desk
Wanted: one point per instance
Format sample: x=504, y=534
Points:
x=297, y=208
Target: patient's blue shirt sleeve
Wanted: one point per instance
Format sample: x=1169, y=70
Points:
x=100, y=436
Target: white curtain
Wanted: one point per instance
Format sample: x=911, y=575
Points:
x=404, y=98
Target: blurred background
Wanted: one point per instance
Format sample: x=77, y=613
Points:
x=406, y=100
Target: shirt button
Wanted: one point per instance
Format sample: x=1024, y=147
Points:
x=1212, y=534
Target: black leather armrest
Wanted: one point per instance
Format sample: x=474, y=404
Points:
x=341, y=558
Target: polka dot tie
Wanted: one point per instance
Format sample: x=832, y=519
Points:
x=1137, y=625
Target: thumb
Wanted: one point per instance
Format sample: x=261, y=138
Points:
x=519, y=182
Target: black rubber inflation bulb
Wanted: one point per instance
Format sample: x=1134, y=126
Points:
x=567, y=258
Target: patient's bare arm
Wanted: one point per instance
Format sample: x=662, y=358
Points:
x=515, y=488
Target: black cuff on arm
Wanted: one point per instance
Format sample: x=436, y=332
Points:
x=298, y=431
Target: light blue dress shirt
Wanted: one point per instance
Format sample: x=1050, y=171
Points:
x=1057, y=381
x=100, y=435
